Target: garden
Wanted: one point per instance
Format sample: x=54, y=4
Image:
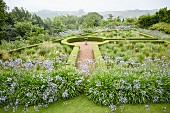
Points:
x=42, y=63
x=128, y=73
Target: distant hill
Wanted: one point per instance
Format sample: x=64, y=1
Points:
x=128, y=13
x=51, y=14
x=122, y=14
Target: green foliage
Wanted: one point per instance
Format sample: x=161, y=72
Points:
x=20, y=15
x=100, y=64
x=163, y=15
x=130, y=21
x=40, y=88
x=3, y=13
x=23, y=28
x=165, y=27
x=3, y=18
x=54, y=26
x=120, y=86
x=9, y=46
x=73, y=56
x=157, y=34
x=112, y=22
x=27, y=29
x=91, y=20
x=147, y=20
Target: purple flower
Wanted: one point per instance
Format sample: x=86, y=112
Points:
x=113, y=107
x=147, y=107
x=65, y=94
x=136, y=86
x=9, y=79
x=164, y=109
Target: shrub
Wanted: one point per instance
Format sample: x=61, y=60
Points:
x=140, y=57
x=30, y=51
x=5, y=56
x=139, y=45
x=165, y=27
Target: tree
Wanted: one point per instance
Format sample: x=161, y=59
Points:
x=130, y=21
x=57, y=26
x=20, y=15
x=94, y=18
x=146, y=21
x=110, y=17
x=3, y=18
x=23, y=28
x=112, y=22
x=163, y=15
x=36, y=20
x=88, y=23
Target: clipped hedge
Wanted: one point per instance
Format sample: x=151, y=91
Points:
x=101, y=43
x=131, y=39
x=100, y=64
x=73, y=56
x=81, y=39
x=152, y=41
x=147, y=36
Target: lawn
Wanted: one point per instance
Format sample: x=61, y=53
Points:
x=81, y=104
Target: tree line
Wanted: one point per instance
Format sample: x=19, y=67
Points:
x=21, y=24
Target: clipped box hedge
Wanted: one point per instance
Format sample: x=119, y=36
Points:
x=144, y=41
x=100, y=64
x=73, y=56
x=145, y=35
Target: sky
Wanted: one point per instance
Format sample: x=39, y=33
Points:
x=87, y=5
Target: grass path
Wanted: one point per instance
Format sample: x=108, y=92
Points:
x=81, y=104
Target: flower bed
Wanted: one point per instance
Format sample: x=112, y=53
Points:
x=38, y=89
x=47, y=56
x=138, y=73
x=120, y=86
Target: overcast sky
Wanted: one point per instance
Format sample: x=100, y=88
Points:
x=88, y=5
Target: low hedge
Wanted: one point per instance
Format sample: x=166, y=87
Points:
x=131, y=39
x=152, y=41
x=65, y=42
x=101, y=43
x=73, y=56
x=81, y=39
x=100, y=64
x=147, y=36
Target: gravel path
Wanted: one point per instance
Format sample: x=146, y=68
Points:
x=85, y=61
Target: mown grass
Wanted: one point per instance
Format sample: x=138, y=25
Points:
x=81, y=104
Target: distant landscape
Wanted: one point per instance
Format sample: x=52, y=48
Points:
x=122, y=14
